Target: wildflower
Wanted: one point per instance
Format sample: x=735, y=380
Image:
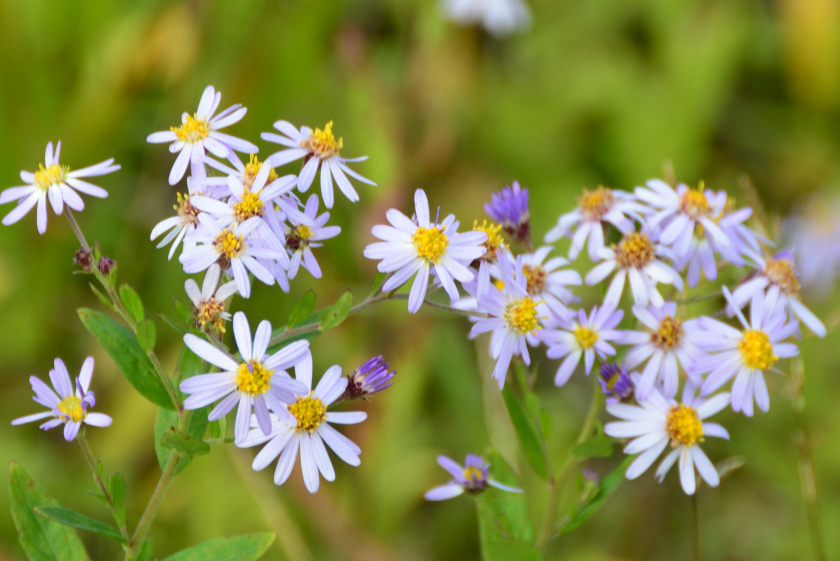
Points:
x=54, y=182
x=370, y=378
x=209, y=303
x=546, y=282
x=306, y=427
x=200, y=131
x=494, y=245
x=257, y=381
x=657, y=422
x=305, y=231
x=499, y=17
x=813, y=232
x=472, y=477
x=415, y=247
x=509, y=207
x=582, y=336
x=178, y=226
x=68, y=404
x=319, y=149
x=595, y=209
x=616, y=383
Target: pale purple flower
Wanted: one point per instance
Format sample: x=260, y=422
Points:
x=498, y=17
x=547, y=281
x=813, y=231
x=473, y=477
x=305, y=231
x=370, y=378
x=209, y=303
x=509, y=207
x=178, y=226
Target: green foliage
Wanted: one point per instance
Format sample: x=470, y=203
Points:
x=378, y=281
x=599, y=446
x=338, y=312
x=146, y=335
x=167, y=436
x=597, y=497
x=80, y=522
x=249, y=547
x=302, y=310
x=132, y=302
x=529, y=437
x=116, y=488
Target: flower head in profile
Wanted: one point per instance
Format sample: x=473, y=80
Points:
x=320, y=150
x=69, y=404
x=498, y=17
x=305, y=231
x=184, y=221
x=509, y=207
x=412, y=248
x=200, y=132
x=304, y=429
x=616, y=383
x=370, y=378
x=473, y=477
x=55, y=183
x=658, y=422
x=548, y=281
x=257, y=382
x=209, y=303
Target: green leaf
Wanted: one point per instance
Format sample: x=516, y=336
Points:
x=337, y=313
x=599, y=446
x=41, y=539
x=106, y=301
x=173, y=324
x=80, y=521
x=249, y=547
x=146, y=334
x=112, y=276
x=183, y=310
x=545, y=424
x=122, y=346
x=598, y=497
x=131, y=301
x=302, y=309
x=177, y=440
x=146, y=551
x=503, y=514
x=506, y=550
x=116, y=487
x=167, y=420
x=529, y=437
x=378, y=281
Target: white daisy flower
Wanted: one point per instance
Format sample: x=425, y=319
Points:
x=232, y=247
x=657, y=422
x=68, y=404
x=209, y=302
x=595, y=209
x=744, y=354
x=257, y=381
x=499, y=17
x=637, y=257
x=178, y=226
x=581, y=336
x=200, y=131
x=54, y=182
x=304, y=232
x=245, y=173
x=306, y=428
x=415, y=247
x=319, y=149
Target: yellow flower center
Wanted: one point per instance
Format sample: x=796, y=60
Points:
x=253, y=378
x=430, y=243
x=309, y=411
x=535, y=276
x=248, y=207
x=322, y=143
x=613, y=381
x=781, y=273
x=635, y=251
x=757, y=350
x=185, y=209
x=494, y=242
x=669, y=334
x=499, y=283
x=522, y=315
x=595, y=204
x=472, y=473
x=71, y=407
x=303, y=232
x=53, y=175
x=193, y=130
x=252, y=168
x=229, y=244
x=694, y=202
x=585, y=336
x=208, y=312
x=683, y=426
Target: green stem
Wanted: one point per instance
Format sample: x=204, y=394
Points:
x=94, y=468
x=697, y=553
x=75, y=226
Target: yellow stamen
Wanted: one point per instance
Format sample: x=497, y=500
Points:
x=185, y=209
x=494, y=242
x=669, y=334
x=53, y=175
x=252, y=168
x=522, y=315
x=71, y=407
x=499, y=283
x=253, y=378
x=694, y=202
x=635, y=250
x=683, y=426
x=430, y=243
x=248, y=207
x=303, y=232
x=229, y=244
x=209, y=312
x=309, y=411
x=192, y=130
x=473, y=474
x=595, y=204
x=322, y=143
x=585, y=336
x=781, y=273
x=536, y=277
x=757, y=350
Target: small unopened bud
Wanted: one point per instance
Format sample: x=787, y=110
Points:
x=371, y=377
x=105, y=265
x=83, y=259
x=509, y=207
x=616, y=382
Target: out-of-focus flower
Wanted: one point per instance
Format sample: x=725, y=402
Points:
x=200, y=131
x=178, y=226
x=370, y=378
x=813, y=232
x=509, y=207
x=616, y=383
x=305, y=231
x=546, y=282
x=209, y=302
x=410, y=247
x=68, y=404
x=498, y=17
x=320, y=149
x=83, y=258
x=258, y=382
x=472, y=477
x=305, y=427
x=105, y=265
x=494, y=246
x=54, y=182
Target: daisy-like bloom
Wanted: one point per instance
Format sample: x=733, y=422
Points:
x=54, y=182
x=494, y=245
x=514, y=318
x=498, y=17
x=668, y=340
x=814, y=231
x=209, y=303
x=657, y=422
x=319, y=149
x=370, y=378
x=200, y=131
x=547, y=282
x=231, y=246
x=744, y=354
x=616, y=383
x=777, y=277
x=637, y=256
x=245, y=173
x=410, y=247
x=509, y=207
x=595, y=208
x=181, y=224
x=68, y=405
x=472, y=477
x=305, y=427
x=257, y=382
x=305, y=231
x=582, y=336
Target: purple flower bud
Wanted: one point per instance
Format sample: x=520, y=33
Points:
x=509, y=207
x=615, y=382
x=83, y=259
x=371, y=377
x=105, y=265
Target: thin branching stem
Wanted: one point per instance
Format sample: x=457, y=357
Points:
x=103, y=488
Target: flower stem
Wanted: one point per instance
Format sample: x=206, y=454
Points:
x=697, y=553
x=93, y=464
x=75, y=226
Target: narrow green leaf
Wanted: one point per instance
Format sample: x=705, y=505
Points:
x=183, y=310
x=507, y=550
x=177, y=440
x=173, y=324
x=80, y=521
x=112, y=276
x=167, y=420
x=378, y=281
x=598, y=497
x=249, y=547
x=599, y=446
x=123, y=348
x=302, y=309
x=146, y=334
x=146, y=551
x=41, y=539
x=503, y=515
x=131, y=301
x=337, y=313
x=529, y=437
x=102, y=297
x=545, y=424
x=116, y=487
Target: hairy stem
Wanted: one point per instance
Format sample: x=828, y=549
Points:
x=93, y=464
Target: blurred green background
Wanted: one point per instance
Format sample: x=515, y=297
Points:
x=733, y=92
